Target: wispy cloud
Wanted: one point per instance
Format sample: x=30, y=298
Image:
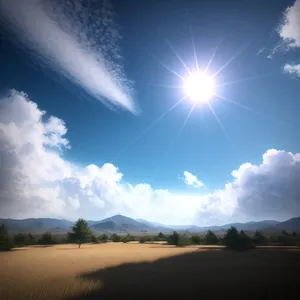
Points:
x=78, y=39
x=192, y=180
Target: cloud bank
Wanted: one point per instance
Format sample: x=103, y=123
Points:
x=192, y=180
x=36, y=180
x=289, y=32
x=77, y=39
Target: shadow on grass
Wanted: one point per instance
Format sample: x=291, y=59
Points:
x=262, y=274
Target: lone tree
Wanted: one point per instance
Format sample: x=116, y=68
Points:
x=81, y=232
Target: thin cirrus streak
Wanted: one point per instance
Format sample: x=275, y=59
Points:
x=76, y=40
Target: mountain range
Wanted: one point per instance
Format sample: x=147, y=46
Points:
x=123, y=224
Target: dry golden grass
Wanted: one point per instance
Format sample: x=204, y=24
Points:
x=51, y=272
x=114, y=270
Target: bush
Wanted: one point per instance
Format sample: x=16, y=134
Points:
x=128, y=238
x=115, y=238
x=103, y=238
x=143, y=239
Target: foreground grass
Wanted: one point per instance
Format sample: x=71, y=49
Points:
x=116, y=270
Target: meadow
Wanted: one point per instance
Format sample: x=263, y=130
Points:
x=136, y=271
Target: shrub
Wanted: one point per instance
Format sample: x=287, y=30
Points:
x=103, y=238
x=115, y=238
x=128, y=238
x=143, y=239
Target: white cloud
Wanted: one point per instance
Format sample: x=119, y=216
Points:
x=192, y=180
x=77, y=40
x=289, y=30
x=292, y=69
x=37, y=181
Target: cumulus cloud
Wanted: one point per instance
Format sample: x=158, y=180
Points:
x=292, y=69
x=289, y=30
x=36, y=180
x=77, y=39
x=192, y=180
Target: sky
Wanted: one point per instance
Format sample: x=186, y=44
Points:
x=94, y=120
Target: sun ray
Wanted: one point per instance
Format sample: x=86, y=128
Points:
x=165, y=86
x=164, y=65
x=232, y=58
x=147, y=129
x=194, y=47
x=250, y=109
x=214, y=54
x=180, y=130
x=243, y=48
x=221, y=125
x=249, y=79
x=178, y=56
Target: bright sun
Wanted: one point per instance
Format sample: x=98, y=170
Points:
x=199, y=87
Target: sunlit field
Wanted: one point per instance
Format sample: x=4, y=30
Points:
x=131, y=270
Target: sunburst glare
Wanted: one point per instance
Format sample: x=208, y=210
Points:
x=199, y=87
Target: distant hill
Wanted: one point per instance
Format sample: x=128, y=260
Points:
x=291, y=224
x=120, y=223
x=37, y=225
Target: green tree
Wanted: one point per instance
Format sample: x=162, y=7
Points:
x=259, y=238
x=21, y=239
x=237, y=240
x=115, y=238
x=177, y=239
x=31, y=239
x=231, y=238
x=81, y=232
x=211, y=238
x=5, y=242
x=196, y=239
x=94, y=239
x=47, y=239
x=245, y=241
x=160, y=237
x=103, y=238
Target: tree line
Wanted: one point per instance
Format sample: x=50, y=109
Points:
x=81, y=233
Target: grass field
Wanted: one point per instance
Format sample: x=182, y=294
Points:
x=136, y=271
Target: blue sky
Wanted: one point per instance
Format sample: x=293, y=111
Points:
x=141, y=165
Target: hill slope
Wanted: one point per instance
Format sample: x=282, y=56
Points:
x=119, y=223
